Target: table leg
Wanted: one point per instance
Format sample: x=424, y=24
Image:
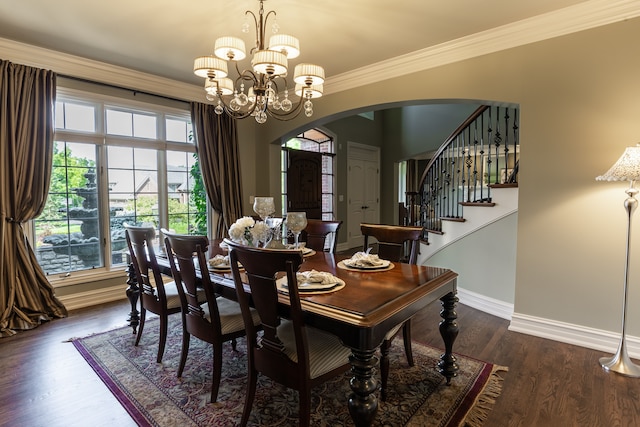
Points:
x=133, y=293
x=363, y=402
x=447, y=365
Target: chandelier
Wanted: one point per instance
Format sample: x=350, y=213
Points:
x=263, y=89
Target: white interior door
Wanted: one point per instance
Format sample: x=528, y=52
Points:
x=363, y=190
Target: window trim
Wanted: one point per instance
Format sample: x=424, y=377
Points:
x=102, y=140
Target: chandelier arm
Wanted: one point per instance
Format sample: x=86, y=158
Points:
x=289, y=115
x=255, y=24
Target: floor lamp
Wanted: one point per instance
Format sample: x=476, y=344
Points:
x=627, y=168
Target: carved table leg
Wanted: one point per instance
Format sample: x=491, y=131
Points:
x=447, y=365
x=133, y=293
x=363, y=402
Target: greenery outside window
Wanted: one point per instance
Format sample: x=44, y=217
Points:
x=115, y=162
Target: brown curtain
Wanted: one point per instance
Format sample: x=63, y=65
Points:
x=27, y=100
x=217, y=147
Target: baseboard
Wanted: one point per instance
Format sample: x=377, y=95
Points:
x=568, y=333
x=486, y=304
x=95, y=297
x=595, y=339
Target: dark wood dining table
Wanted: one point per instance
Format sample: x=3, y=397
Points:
x=361, y=313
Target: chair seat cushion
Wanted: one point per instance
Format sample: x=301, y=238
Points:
x=230, y=315
x=326, y=352
x=173, y=298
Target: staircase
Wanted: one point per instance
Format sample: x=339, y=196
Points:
x=468, y=202
x=479, y=158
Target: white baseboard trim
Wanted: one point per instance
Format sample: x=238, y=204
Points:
x=568, y=333
x=95, y=297
x=483, y=303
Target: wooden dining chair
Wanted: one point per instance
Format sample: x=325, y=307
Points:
x=156, y=296
x=289, y=352
x=398, y=244
x=318, y=231
x=219, y=319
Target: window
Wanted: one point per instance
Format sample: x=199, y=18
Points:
x=115, y=163
x=317, y=141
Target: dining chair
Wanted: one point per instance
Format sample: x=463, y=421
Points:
x=317, y=232
x=289, y=352
x=398, y=244
x=216, y=321
x=156, y=296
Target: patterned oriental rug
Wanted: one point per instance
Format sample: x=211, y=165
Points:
x=154, y=396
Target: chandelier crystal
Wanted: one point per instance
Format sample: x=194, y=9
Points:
x=262, y=90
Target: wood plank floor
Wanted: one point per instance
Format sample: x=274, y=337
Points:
x=45, y=381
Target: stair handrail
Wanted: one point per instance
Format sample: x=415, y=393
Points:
x=450, y=180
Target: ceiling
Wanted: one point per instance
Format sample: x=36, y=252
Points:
x=162, y=37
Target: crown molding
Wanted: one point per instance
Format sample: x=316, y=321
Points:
x=76, y=66
x=582, y=16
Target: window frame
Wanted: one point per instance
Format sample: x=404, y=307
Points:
x=102, y=141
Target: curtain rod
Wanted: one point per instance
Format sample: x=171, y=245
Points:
x=134, y=91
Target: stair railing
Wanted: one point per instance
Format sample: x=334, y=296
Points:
x=481, y=154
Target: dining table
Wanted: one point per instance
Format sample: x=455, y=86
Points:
x=370, y=304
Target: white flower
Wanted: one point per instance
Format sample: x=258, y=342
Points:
x=249, y=232
x=261, y=231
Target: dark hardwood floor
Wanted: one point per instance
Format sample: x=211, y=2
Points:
x=46, y=383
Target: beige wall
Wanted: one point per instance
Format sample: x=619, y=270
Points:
x=580, y=103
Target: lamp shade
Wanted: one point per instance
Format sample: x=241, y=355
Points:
x=231, y=48
x=224, y=85
x=627, y=168
x=210, y=66
x=315, y=91
x=269, y=62
x=286, y=44
x=308, y=74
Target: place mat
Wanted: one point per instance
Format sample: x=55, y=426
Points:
x=372, y=269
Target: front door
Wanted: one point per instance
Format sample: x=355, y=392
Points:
x=304, y=183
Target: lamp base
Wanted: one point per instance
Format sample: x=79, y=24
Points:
x=621, y=364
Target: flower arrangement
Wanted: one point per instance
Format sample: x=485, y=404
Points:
x=249, y=232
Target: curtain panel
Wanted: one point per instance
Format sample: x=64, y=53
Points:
x=27, y=102
x=216, y=138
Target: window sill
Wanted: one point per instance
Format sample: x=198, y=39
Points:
x=80, y=277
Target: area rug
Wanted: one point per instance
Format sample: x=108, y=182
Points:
x=154, y=396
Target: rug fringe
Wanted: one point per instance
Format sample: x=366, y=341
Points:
x=485, y=400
